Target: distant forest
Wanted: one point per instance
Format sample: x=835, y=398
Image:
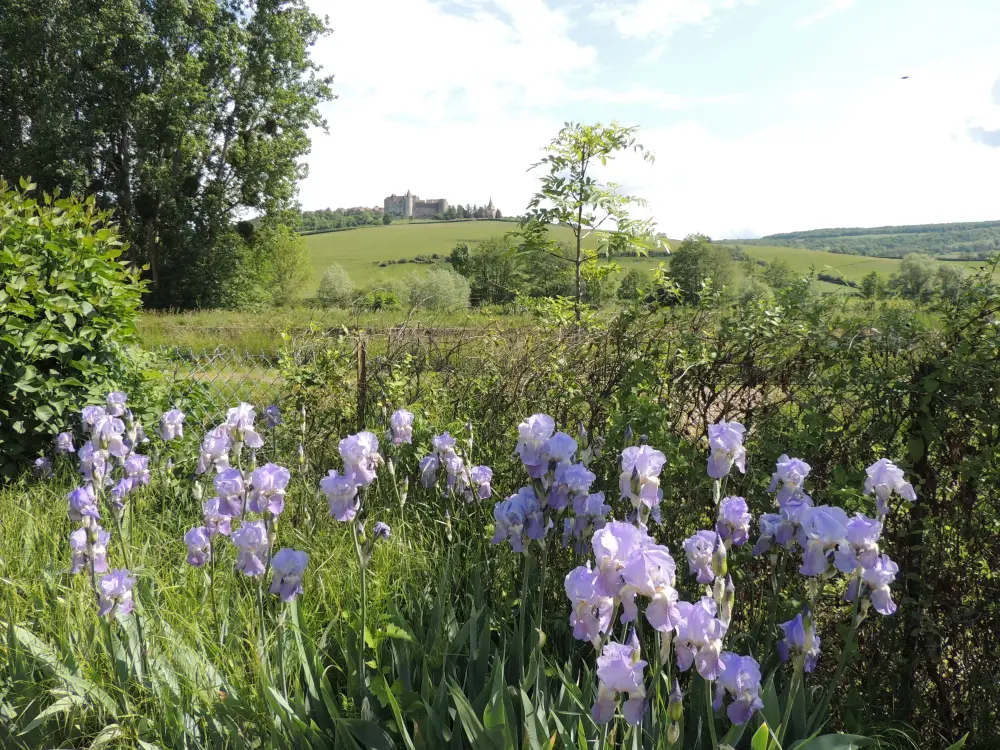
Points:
x=968, y=240
x=326, y=219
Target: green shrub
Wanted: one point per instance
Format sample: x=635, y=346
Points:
x=376, y=300
x=336, y=288
x=438, y=289
x=68, y=307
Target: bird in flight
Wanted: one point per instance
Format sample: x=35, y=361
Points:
x=904, y=78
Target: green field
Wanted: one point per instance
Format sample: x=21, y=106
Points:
x=360, y=250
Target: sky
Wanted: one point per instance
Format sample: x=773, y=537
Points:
x=764, y=115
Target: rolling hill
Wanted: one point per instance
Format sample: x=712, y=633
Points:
x=361, y=250
x=966, y=240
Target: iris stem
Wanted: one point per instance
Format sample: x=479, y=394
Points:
x=211, y=587
x=522, y=615
x=792, y=690
x=711, y=714
x=364, y=604
x=539, y=672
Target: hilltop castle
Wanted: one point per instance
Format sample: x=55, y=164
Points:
x=410, y=206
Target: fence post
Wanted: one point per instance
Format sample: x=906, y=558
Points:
x=362, y=353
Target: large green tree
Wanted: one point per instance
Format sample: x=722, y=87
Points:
x=182, y=116
x=572, y=195
x=699, y=265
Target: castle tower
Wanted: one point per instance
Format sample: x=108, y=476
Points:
x=408, y=211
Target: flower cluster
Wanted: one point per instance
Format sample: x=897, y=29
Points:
x=559, y=485
x=113, y=437
x=472, y=483
x=828, y=537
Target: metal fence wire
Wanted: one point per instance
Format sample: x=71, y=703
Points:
x=230, y=375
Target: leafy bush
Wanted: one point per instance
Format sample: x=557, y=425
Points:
x=335, y=288
x=68, y=310
x=633, y=285
x=376, y=300
x=438, y=289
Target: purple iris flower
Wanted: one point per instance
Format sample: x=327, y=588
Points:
x=108, y=435
x=481, y=478
x=83, y=504
x=591, y=605
x=269, y=483
x=725, y=440
x=740, y=679
x=172, y=425
x=361, y=457
x=620, y=674
x=272, y=416
x=116, y=403
x=533, y=433
x=199, y=545
x=90, y=414
x=860, y=549
x=89, y=545
x=799, y=640
x=251, y=542
x=885, y=478
x=120, y=491
x=518, y=518
x=614, y=545
x=560, y=448
x=734, y=520
x=341, y=494
x=381, y=531
x=115, y=591
x=428, y=468
x=215, y=449
x=823, y=529
x=43, y=467
x=699, y=548
x=640, y=476
x=289, y=566
x=137, y=469
x=589, y=512
x=787, y=480
x=218, y=517
x=401, y=427
x=651, y=573
x=698, y=639
x=240, y=423
x=878, y=578
x=64, y=444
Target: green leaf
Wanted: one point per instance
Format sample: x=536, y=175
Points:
x=960, y=744
x=369, y=734
x=833, y=742
x=760, y=738
x=44, y=412
x=64, y=705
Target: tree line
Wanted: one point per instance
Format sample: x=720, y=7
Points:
x=969, y=240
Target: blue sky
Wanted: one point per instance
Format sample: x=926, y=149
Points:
x=765, y=115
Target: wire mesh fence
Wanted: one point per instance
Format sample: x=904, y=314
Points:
x=229, y=376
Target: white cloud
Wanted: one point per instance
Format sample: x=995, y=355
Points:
x=450, y=104
x=898, y=154
x=459, y=105
x=833, y=7
x=660, y=19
